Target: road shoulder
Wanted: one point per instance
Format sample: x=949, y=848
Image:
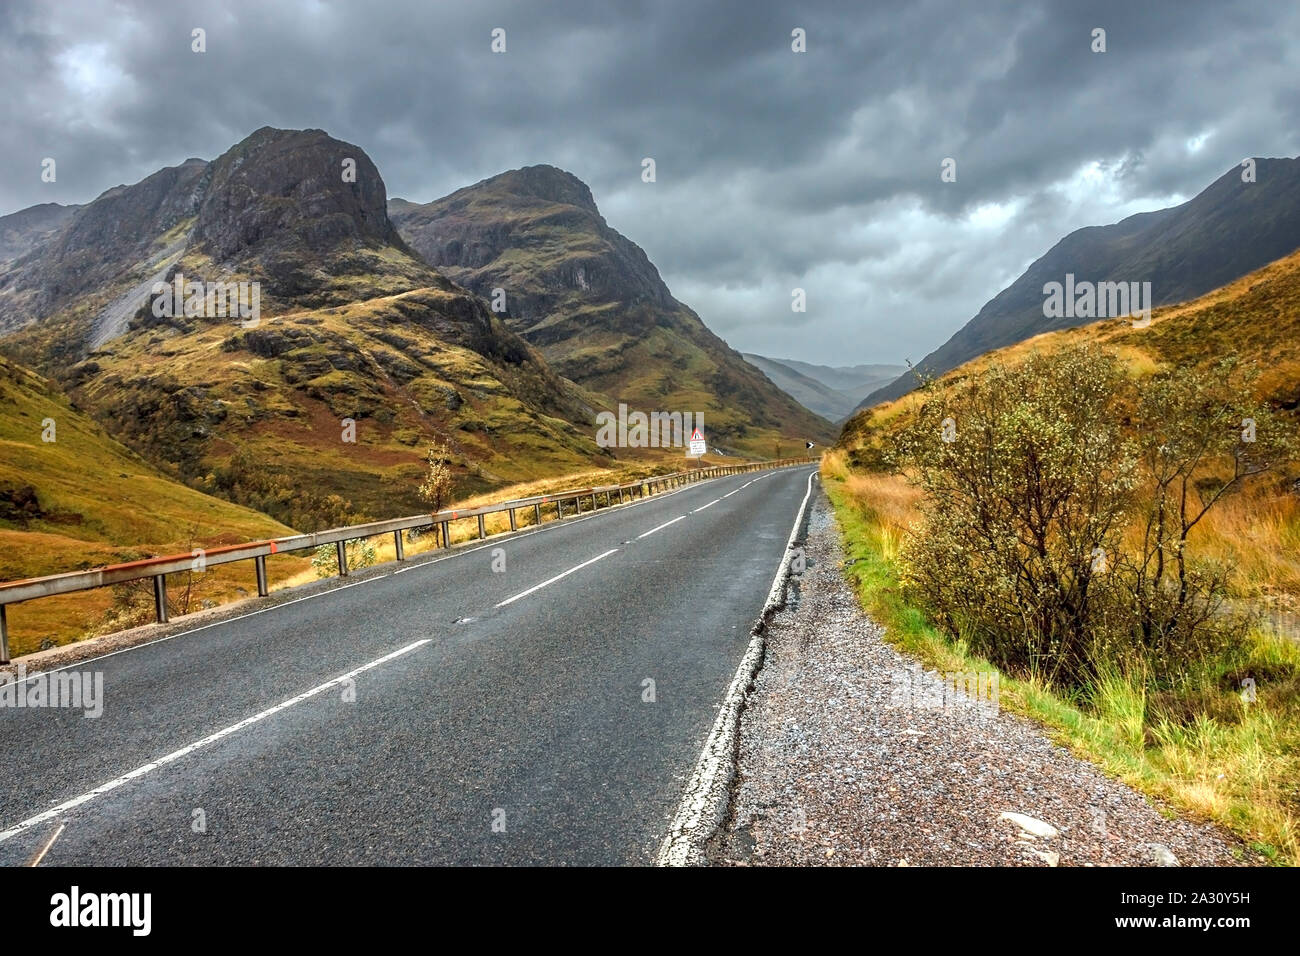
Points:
x=850, y=754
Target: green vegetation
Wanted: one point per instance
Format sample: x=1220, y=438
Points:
x=1201, y=746
x=1102, y=531
x=82, y=500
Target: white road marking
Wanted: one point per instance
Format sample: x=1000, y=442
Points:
x=660, y=528
x=175, y=755
x=700, y=811
x=458, y=552
x=565, y=574
x=709, y=505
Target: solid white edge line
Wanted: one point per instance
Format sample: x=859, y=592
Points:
x=190, y=748
x=661, y=527
x=564, y=574
x=700, y=810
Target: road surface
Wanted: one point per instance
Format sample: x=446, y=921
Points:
x=437, y=712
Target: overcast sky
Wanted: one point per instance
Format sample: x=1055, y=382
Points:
x=775, y=169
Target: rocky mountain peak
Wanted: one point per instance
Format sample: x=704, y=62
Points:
x=292, y=187
x=543, y=182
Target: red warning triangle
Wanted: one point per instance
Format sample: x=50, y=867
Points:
x=696, y=436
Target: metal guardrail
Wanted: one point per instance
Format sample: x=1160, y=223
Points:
x=158, y=568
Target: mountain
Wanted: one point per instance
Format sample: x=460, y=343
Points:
x=1255, y=318
x=594, y=305
x=71, y=497
x=1225, y=232
x=832, y=392
x=352, y=325
x=274, y=208
x=23, y=231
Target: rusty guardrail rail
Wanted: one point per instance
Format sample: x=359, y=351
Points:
x=257, y=551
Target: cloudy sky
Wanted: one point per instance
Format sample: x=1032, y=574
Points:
x=775, y=169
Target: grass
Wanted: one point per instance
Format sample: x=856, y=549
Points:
x=1203, y=750
x=96, y=503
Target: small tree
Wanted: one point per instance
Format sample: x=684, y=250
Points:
x=436, y=487
x=1061, y=497
x=1027, y=471
x=1203, y=436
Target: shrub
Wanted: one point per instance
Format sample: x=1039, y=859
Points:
x=1034, y=477
x=325, y=559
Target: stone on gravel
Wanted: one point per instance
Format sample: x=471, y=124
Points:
x=1161, y=855
x=1037, y=827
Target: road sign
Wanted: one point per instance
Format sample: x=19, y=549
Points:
x=808, y=445
x=698, y=445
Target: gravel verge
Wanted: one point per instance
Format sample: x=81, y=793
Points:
x=850, y=754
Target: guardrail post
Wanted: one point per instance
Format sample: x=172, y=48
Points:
x=260, y=563
x=559, y=509
x=160, y=597
x=397, y=545
x=537, y=511
x=482, y=532
x=578, y=501
x=341, y=549
x=446, y=534
x=4, y=636
x=513, y=526
x=594, y=506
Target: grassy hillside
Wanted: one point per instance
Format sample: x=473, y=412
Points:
x=83, y=500
x=256, y=415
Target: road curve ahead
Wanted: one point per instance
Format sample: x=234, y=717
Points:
x=540, y=699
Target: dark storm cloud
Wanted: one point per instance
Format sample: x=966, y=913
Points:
x=776, y=170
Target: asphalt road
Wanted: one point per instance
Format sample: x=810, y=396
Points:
x=438, y=712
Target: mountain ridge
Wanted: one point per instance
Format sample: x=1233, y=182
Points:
x=1228, y=230
x=595, y=305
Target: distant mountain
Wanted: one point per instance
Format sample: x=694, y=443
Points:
x=1228, y=230
x=831, y=392
x=23, y=231
x=1255, y=318
x=354, y=325
x=595, y=306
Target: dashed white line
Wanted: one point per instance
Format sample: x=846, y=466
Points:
x=709, y=505
x=175, y=755
x=660, y=528
x=416, y=564
x=565, y=574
